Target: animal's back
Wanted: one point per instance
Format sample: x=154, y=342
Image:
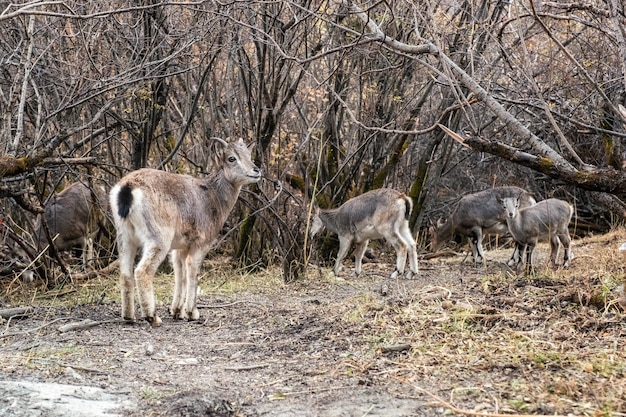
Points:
x=483, y=208
x=179, y=204
x=550, y=212
x=366, y=204
x=72, y=214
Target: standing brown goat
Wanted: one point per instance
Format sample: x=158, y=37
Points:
x=161, y=212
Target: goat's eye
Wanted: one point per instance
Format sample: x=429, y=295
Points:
x=231, y=159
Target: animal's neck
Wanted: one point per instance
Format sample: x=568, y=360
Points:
x=225, y=193
x=513, y=222
x=329, y=219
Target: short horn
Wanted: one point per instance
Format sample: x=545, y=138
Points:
x=222, y=141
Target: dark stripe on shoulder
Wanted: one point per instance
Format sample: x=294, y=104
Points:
x=124, y=201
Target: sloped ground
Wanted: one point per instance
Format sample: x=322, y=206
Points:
x=457, y=339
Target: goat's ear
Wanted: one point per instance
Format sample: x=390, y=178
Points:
x=250, y=147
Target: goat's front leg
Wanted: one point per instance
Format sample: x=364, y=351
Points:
x=192, y=268
x=359, y=251
x=515, y=256
x=521, y=263
x=476, y=242
x=344, y=246
x=180, y=284
x=87, y=251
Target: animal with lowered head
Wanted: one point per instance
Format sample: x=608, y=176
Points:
x=377, y=214
x=477, y=215
x=547, y=219
x=72, y=216
x=162, y=212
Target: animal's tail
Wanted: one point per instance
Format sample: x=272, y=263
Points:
x=408, y=206
x=124, y=201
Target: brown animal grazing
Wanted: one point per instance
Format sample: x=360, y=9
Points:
x=547, y=219
x=377, y=214
x=161, y=212
x=477, y=215
x=73, y=216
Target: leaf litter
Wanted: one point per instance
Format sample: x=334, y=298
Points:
x=458, y=340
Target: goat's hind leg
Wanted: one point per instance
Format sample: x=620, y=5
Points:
x=127, y=254
x=409, y=242
x=566, y=240
x=144, y=274
x=401, y=253
x=555, y=243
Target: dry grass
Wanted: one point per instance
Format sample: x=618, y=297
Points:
x=483, y=339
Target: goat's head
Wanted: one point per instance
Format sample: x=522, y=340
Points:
x=510, y=205
x=436, y=242
x=316, y=222
x=236, y=160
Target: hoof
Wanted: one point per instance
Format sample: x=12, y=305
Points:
x=411, y=275
x=175, y=313
x=394, y=274
x=154, y=321
x=129, y=319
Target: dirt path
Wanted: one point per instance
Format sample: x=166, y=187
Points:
x=326, y=347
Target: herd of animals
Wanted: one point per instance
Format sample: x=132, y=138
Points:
x=160, y=213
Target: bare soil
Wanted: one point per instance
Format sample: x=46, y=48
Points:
x=459, y=339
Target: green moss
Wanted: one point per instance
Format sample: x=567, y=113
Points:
x=546, y=163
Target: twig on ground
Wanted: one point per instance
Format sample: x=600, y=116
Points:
x=32, y=330
x=396, y=348
x=86, y=324
x=222, y=305
x=246, y=367
x=15, y=312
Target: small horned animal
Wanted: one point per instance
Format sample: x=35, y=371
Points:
x=547, y=219
x=161, y=212
x=381, y=213
x=477, y=215
x=73, y=216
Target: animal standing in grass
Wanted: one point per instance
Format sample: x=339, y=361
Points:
x=73, y=217
x=477, y=215
x=377, y=214
x=547, y=219
x=162, y=212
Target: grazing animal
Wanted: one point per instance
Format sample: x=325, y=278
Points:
x=547, y=219
x=161, y=212
x=477, y=215
x=381, y=213
x=73, y=216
